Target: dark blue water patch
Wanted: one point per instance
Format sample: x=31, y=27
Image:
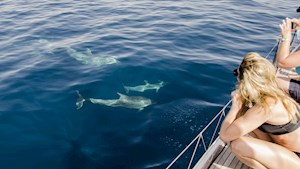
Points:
x=34, y=134
x=175, y=114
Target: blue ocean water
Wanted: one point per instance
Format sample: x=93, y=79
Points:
x=192, y=45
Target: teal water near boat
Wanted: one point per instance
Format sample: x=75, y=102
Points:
x=298, y=70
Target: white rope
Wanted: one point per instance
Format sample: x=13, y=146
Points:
x=278, y=39
x=204, y=146
x=217, y=126
x=272, y=49
x=195, y=149
x=182, y=152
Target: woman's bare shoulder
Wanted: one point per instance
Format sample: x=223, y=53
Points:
x=272, y=102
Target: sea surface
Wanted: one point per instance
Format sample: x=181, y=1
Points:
x=50, y=49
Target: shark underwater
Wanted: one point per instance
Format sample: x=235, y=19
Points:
x=88, y=57
x=146, y=86
x=132, y=102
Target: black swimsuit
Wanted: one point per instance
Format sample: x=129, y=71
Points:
x=280, y=129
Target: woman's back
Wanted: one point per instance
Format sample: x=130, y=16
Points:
x=280, y=120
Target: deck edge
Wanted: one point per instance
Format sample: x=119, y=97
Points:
x=212, y=152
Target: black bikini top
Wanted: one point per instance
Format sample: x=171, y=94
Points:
x=279, y=129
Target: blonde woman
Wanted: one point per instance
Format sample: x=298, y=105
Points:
x=269, y=115
x=285, y=59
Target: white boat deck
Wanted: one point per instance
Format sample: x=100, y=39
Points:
x=227, y=160
x=219, y=156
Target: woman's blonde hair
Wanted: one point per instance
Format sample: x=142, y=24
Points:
x=257, y=82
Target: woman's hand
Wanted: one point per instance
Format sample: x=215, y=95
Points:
x=286, y=29
x=297, y=23
x=236, y=100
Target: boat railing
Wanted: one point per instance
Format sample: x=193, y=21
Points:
x=201, y=142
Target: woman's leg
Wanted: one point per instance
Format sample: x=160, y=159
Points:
x=261, y=135
x=260, y=154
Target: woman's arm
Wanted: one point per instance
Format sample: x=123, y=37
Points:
x=227, y=128
x=284, y=58
x=232, y=114
x=233, y=128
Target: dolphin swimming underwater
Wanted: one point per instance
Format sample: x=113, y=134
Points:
x=46, y=45
x=133, y=102
x=80, y=100
x=146, y=86
x=88, y=58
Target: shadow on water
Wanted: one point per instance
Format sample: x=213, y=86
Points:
x=78, y=158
